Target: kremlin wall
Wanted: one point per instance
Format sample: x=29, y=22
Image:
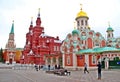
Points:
x=82, y=45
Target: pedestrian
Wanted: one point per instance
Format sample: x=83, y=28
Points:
x=39, y=67
x=55, y=66
x=99, y=70
x=36, y=67
x=49, y=67
x=58, y=67
x=85, y=68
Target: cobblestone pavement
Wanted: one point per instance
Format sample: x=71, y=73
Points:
x=10, y=75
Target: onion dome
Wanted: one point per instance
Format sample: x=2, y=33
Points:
x=109, y=29
x=75, y=31
x=81, y=13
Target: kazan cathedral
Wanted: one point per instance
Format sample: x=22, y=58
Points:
x=84, y=45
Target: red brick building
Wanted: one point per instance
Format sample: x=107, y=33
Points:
x=39, y=47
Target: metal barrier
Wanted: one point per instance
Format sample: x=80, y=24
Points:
x=23, y=67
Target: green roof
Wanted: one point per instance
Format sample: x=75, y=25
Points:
x=110, y=29
x=75, y=32
x=12, y=29
x=104, y=49
x=98, y=50
x=85, y=51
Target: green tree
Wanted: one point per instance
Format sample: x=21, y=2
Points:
x=1, y=55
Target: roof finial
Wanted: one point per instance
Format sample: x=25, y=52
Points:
x=109, y=23
x=31, y=20
x=81, y=7
x=74, y=25
x=38, y=12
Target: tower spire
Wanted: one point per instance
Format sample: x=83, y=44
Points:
x=12, y=28
x=31, y=21
x=38, y=21
x=38, y=12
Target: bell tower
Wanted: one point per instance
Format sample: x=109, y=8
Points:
x=110, y=32
x=110, y=36
x=82, y=20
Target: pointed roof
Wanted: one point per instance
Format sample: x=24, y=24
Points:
x=12, y=28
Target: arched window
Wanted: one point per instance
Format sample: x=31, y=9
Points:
x=97, y=43
x=78, y=23
x=82, y=22
x=86, y=22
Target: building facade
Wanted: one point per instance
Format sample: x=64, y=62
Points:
x=84, y=45
x=40, y=48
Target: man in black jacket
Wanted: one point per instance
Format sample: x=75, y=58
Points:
x=99, y=70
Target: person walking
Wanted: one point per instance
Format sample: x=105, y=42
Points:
x=99, y=70
x=85, y=68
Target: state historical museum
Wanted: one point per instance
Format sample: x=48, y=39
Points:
x=40, y=48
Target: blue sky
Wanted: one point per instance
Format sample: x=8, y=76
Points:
x=57, y=17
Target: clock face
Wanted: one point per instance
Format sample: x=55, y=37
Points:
x=11, y=36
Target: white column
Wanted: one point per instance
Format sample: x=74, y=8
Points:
x=7, y=59
x=106, y=63
x=63, y=60
x=87, y=59
x=74, y=61
x=57, y=61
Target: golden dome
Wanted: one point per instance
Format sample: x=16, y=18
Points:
x=81, y=13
